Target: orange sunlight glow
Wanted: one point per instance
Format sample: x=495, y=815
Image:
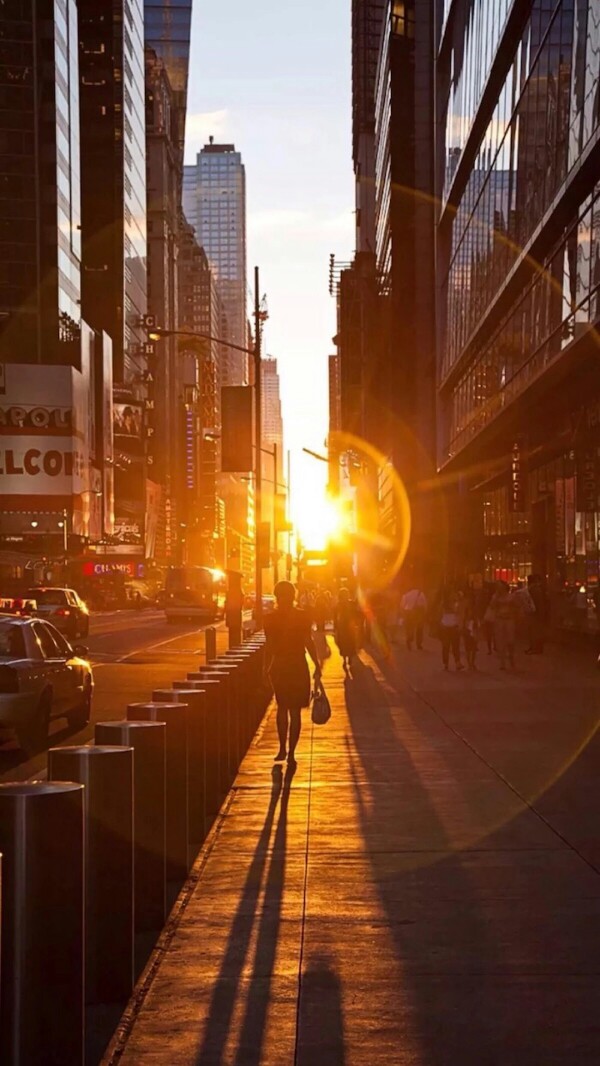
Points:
x=318, y=518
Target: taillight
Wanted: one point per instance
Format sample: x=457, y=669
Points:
x=63, y=612
x=9, y=679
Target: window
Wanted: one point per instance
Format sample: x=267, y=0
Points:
x=46, y=643
x=12, y=642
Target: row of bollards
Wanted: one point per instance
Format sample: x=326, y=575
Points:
x=88, y=854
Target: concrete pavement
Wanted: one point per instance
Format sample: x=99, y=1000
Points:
x=424, y=890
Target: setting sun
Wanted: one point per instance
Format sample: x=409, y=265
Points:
x=317, y=517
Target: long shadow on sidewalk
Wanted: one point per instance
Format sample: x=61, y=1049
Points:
x=458, y=990
x=228, y=986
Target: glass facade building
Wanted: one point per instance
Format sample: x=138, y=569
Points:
x=40, y=219
x=114, y=177
x=214, y=203
x=519, y=273
x=167, y=30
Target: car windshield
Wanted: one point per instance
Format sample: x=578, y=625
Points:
x=48, y=597
x=12, y=641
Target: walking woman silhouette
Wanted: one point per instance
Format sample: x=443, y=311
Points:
x=289, y=637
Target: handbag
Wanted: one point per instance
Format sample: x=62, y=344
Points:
x=321, y=707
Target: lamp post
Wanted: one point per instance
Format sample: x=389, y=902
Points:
x=157, y=333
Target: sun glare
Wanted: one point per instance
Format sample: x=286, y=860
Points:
x=318, y=520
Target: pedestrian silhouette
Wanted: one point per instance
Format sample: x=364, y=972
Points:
x=289, y=637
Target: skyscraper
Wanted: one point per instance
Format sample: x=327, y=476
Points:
x=40, y=235
x=367, y=22
x=167, y=31
x=113, y=176
x=113, y=211
x=214, y=202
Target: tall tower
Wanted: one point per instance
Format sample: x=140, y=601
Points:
x=40, y=237
x=214, y=202
x=113, y=176
x=167, y=31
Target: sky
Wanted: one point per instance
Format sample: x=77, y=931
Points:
x=273, y=77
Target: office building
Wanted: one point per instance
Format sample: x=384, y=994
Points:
x=214, y=202
x=113, y=177
x=114, y=249
x=55, y=382
x=386, y=295
x=40, y=238
x=367, y=25
x=167, y=33
x=163, y=191
x=195, y=440
x=272, y=421
x=518, y=270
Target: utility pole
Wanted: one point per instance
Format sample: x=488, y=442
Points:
x=257, y=449
x=289, y=514
x=275, y=516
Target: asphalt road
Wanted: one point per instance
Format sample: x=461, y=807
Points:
x=132, y=653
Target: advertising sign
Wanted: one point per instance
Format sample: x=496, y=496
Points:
x=127, y=420
x=102, y=568
x=44, y=447
x=516, y=493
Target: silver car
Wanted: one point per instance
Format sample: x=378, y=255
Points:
x=41, y=677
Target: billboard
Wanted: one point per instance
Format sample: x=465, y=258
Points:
x=127, y=422
x=44, y=443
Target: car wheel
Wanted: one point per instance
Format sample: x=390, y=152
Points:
x=35, y=738
x=85, y=627
x=80, y=716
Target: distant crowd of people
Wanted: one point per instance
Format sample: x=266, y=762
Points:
x=464, y=618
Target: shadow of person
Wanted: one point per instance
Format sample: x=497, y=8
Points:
x=227, y=985
x=321, y=1036
x=258, y=995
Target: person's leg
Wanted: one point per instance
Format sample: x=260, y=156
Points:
x=420, y=626
x=282, y=729
x=410, y=629
x=446, y=638
x=295, y=725
x=455, y=637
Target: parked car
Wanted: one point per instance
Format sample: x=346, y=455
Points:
x=17, y=605
x=64, y=608
x=41, y=677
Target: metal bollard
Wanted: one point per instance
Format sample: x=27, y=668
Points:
x=215, y=750
x=148, y=740
x=196, y=702
x=174, y=715
x=226, y=674
x=210, y=644
x=107, y=773
x=42, y=956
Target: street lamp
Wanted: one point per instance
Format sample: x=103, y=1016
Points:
x=157, y=333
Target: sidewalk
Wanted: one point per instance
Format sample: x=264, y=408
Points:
x=424, y=891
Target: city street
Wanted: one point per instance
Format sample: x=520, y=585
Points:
x=132, y=652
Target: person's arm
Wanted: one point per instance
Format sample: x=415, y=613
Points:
x=309, y=644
